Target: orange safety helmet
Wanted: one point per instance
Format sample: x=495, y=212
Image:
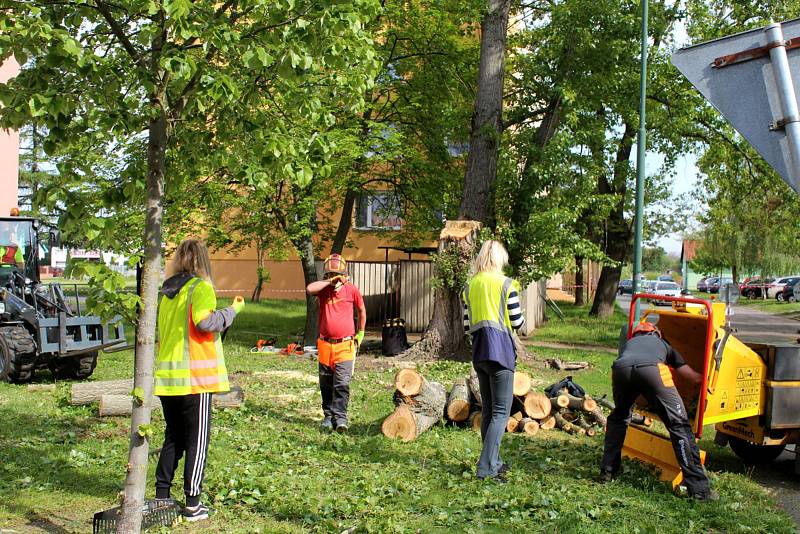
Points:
x=14, y=212
x=335, y=264
x=645, y=329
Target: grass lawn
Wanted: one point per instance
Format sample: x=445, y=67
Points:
x=270, y=470
x=579, y=328
x=789, y=309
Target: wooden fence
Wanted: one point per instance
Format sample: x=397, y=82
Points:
x=403, y=289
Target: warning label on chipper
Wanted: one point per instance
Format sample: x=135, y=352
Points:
x=748, y=388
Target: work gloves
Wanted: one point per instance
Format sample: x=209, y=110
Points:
x=238, y=305
x=360, y=337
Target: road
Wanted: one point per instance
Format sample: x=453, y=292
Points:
x=755, y=326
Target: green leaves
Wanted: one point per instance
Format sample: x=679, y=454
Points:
x=145, y=431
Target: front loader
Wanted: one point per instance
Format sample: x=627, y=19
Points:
x=751, y=393
x=41, y=326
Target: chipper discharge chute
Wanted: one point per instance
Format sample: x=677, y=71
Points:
x=731, y=390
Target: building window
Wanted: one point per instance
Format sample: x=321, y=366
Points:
x=378, y=210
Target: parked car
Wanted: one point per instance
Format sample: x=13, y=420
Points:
x=647, y=286
x=753, y=289
x=665, y=278
x=787, y=293
x=666, y=289
x=702, y=284
x=625, y=287
x=716, y=283
x=777, y=286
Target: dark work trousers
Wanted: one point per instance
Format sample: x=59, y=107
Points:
x=334, y=384
x=497, y=393
x=655, y=383
x=188, y=419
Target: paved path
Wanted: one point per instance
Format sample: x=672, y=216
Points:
x=755, y=326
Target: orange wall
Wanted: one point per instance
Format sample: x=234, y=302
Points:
x=9, y=152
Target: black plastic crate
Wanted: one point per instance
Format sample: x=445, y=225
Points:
x=156, y=513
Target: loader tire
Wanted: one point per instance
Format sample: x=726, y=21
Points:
x=754, y=454
x=74, y=367
x=17, y=354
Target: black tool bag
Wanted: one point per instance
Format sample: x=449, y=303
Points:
x=572, y=388
x=393, y=337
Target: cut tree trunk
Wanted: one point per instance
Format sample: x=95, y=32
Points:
x=577, y=403
x=537, y=405
x=511, y=424
x=519, y=416
x=474, y=386
x=475, y=420
x=559, y=402
x=444, y=336
x=408, y=382
x=122, y=404
x=547, y=423
x=430, y=401
x=90, y=392
x=528, y=426
x=406, y=425
x=556, y=363
x=522, y=383
x=563, y=424
x=458, y=404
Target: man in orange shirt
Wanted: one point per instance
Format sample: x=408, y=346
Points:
x=338, y=339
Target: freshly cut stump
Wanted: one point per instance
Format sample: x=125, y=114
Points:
x=548, y=423
x=528, y=426
x=522, y=383
x=537, y=405
x=560, y=401
x=458, y=402
x=408, y=382
x=475, y=420
x=405, y=425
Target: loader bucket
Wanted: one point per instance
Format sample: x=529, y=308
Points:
x=654, y=449
x=728, y=392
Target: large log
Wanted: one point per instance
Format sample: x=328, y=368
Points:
x=522, y=383
x=528, y=426
x=406, y=425
x=586, y=404
x=547, y=423
x=430, y=401
x=116, y=404
x=511, y=424
x=474, y=386
x=89, y=392
x=537, y=405
x=408, y=382
x=458, y=402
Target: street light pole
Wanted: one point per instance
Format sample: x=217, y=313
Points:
x=640, y=163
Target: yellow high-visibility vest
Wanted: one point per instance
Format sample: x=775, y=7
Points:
x=486, y=297
x=189, y=360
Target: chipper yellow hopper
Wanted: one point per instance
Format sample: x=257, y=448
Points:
x=751, y=393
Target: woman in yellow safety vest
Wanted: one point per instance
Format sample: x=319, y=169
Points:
x=189, y=368
x=491, y=314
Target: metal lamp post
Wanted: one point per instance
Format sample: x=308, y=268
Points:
x=640, y=163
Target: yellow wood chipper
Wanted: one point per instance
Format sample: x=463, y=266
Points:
x=750, y=392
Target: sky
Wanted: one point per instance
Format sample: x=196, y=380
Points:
x=686, y=179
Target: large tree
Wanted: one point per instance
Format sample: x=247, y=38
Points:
x=149, y=83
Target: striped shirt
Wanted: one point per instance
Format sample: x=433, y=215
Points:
x=514, y=312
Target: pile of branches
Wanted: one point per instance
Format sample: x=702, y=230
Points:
x=420, y=404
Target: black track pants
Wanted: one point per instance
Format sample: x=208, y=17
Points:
x=655, y=384
x=188, y=419
x=334, y=384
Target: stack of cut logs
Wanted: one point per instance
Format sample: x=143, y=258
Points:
x=420, y=404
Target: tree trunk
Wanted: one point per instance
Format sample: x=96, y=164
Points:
x=444, y=336
x=430, y=400
x=136, y=480
x=406, y=425
x=345, y=222
x=305, y=248
x=256, y=297
x=579, y=282
x=487, y=118
x=511, y=425
x=458, y=402
x=120, y=404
